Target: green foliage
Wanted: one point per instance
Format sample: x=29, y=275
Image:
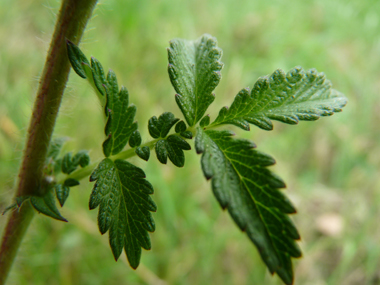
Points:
x=70, y=163
x=180, y=127
x=122, y=194
x=242, y=184
x=120, y=124
x=240, y=179
x=135, y=139
x=46, y=205
x=77, y=59
x=62, y=192
x=143, y=152
x=194, y=70
x=173, y=148
x=296, y=95
x=159, y=128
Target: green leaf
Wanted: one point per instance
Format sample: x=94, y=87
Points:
x=76, y=58
x=68, y=165
x=62, y=192
x=194, y=71
x=205, y=121
x=71, y=182
x=296, y=95
x=143, y=152
x=242, y=184
x=135, y=139
x=159, y=128
x=120, y=125
x=81, y=158
x=98, y=75
x=173, y=148
x=187, y=135
x=180, y=127
x=46, y=205
x=122, y=193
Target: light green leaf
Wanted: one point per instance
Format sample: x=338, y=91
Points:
x=194, y=71
x=242, y=184
x=125, y=207
x=120, y=124
x=296, y=95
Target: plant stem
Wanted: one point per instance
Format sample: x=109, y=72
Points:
x=71, y=22
x=86, y=171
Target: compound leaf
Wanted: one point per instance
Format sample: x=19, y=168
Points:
x=296, y=95
x=125, y=207
x=242, y=184
x=120, y=124
x=194, y=71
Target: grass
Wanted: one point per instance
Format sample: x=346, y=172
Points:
x=331, y=166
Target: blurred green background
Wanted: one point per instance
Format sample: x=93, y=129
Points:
x=331, y=166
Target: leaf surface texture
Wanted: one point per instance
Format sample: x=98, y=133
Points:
x=296, y=95
x=242, y=184
x=194, y=71
x=123, y=196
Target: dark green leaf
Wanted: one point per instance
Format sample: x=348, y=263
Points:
x=46, y=205
x=143, y=152
x=173, y=148
x=242, y=184
x=297, y=95
x=68, y=165
x=159, y=128
x=135, y=139
x=76, y=58
x=180, y=127
x=120, y=123
x=122, y=193
x=187, y=135
x=81, y=158
x=194, y=71
x=161, y=151
x=153, y=127
x=205, y=121
x=71, y=182
x=98, y=75
x=62, y=192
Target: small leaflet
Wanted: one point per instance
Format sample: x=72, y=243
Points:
x=173, y=148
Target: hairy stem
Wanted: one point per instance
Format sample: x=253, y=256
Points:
x=71, y=22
